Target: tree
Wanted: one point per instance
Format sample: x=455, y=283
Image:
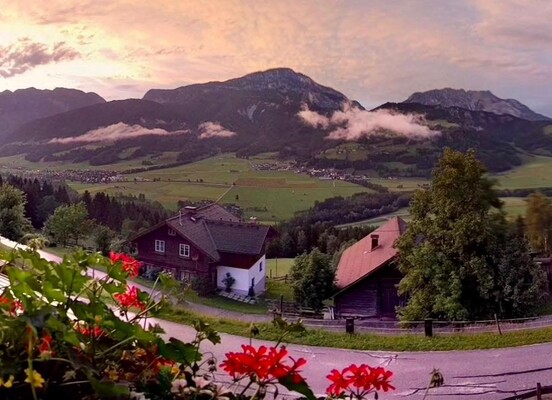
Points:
x=538, y=220
x=68, y=222
x=456, y=255
x=521, y=282
x=13, y=222
x=103, y=237
x=313, y=279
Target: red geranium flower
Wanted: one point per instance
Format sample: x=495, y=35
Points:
x=45, y=346
x=130, y=265
x=358, y=381
x=265, y=365
x=130, y=299
x=83, y=329
x=15, y=306
x=339, y=383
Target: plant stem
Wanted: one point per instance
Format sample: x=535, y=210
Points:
x=128, y=339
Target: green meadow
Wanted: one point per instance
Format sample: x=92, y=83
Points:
x=270, y=196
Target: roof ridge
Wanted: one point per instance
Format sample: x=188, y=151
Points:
x=210, y=236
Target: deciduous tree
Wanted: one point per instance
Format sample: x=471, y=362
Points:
x=68, y=222
x=456, y=255
x=13, y=222
x=538, y=220
x=313, y=279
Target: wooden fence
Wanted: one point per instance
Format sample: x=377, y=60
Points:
x=532, y=394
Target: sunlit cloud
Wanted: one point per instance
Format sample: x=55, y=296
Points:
x=25, y=55
x=113, y=133
x=372, y=51
x=352, y=123
x=214, y=129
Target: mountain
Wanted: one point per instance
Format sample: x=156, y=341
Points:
x=475, y=100
x=260, y=108
x=274, y=86
x=259, y=113
x=25, y=105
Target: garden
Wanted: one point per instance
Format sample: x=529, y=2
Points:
x=65, y=334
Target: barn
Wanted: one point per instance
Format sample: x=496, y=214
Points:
x=367, y=275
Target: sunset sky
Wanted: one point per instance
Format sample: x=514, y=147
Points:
x=372, y=51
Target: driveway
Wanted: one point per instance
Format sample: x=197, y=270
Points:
x=484, y=374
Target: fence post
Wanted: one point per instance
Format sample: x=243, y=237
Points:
x=428, y=327
x=281, y=305
x=539, y=391
x=498, y=324
x=350, y=325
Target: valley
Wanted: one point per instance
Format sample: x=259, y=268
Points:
x=263, y=186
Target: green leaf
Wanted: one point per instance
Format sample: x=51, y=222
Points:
x=179, y=351
x=209, y=333
x=113, y=288
x=52, y=293
x=301, y=388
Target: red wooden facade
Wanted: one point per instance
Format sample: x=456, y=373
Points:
x=182, y=268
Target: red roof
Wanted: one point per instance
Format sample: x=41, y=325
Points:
x=360, y=260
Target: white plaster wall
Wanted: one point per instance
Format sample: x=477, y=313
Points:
x=260, y=281
x=241, y=276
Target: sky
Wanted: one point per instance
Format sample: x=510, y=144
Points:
x=372, y=51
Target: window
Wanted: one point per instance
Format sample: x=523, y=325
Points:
x=172, y=232
x=184, y=250
x=261, y=266
x=159, y=246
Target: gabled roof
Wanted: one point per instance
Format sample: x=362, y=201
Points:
x=213, y=229
x=360, y=260
x=212, y=212
x=238, y=237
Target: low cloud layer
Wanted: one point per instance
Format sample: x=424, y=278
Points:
x=353, y=123
x=114, y=132
x=25, y=55
x=214, y=129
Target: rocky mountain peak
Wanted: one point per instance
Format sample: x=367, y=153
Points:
x=264, y=86
x=475, y=100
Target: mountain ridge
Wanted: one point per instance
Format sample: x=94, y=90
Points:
x=475, y=100
x=25, y=105
x=258, y=113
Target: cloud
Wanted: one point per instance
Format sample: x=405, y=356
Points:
x=25, y=55
x=214, y=129
x=352, y=123
x=114, y=132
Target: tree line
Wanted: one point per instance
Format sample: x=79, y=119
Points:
x=64, y=216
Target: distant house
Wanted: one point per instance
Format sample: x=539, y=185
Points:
x=207, y=242
x=367, y=275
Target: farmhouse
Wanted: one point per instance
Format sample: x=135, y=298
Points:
x=367, y=276
x=207, y=243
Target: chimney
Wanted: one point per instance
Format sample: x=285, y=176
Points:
x=375, y=241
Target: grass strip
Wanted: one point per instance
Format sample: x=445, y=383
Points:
x=369, y=341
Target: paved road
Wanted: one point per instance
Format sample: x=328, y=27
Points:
x=485, y=374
